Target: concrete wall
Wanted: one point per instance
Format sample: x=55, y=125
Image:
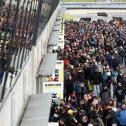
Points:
x=12, y=107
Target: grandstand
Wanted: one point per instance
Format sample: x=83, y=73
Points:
x=19, y=23
x=34, y=60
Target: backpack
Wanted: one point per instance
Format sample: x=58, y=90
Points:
x=105, y=96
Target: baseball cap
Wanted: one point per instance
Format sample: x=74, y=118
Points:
x=70, y=112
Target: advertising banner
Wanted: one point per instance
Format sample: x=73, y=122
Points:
x=54, y=83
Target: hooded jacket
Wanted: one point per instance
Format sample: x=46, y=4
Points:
x=121, y=117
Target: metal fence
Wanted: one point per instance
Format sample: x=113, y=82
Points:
x=94, y=5
x=46, y=10
x=19, y=24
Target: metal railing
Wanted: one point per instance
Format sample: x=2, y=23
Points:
x=47, y=9
x=19, y=23
x=94, y=5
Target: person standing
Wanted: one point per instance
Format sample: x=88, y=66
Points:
x=105, y=95
x=109, y=116
x=96, y=82
x=120, y=93
x=121, y=115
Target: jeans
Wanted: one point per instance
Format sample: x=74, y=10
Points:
x=124, y=61
x=112, y=90
x=96, y=90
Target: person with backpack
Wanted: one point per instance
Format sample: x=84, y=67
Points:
x=105, y=95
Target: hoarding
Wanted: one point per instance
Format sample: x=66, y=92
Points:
x=54, y=83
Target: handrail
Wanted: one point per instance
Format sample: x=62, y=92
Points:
x=91, y=5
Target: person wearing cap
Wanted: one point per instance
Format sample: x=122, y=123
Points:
x=121, y=114
x=70, y=118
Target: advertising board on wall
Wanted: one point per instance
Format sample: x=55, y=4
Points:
x=54, y=83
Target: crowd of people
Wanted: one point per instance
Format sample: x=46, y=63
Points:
x=16, y=28
x=94, y=74
x=5, y=32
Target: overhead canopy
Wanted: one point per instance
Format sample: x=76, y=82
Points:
x=37, y=110
x=48, y=64
x=54, y=38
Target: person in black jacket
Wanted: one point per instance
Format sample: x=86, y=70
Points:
x=96, y=82
x=122, y=54
x=69, y=85
x=105, y=95
x=120, y=42
x=109, y=116
x=115, y=61
x=120, y=93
